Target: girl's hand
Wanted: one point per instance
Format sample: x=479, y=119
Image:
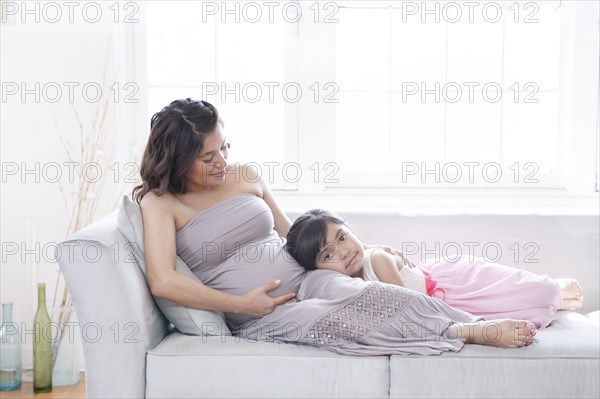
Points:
x=257, y=303
x=405, y=261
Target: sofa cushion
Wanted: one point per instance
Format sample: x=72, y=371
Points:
x=233, y=367
x=564, y=362
x=185, y=319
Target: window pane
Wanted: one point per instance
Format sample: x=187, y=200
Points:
x=180, y=46
x=255, y=131
x=529, y=132
x=362, y=132
x=473, y=131
x=418, y=51
x=475, y=52
x=251, y=52
x=417, y=132
x=532, y=49
x=362, y=55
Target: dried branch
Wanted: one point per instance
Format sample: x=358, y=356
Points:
x=93, y=150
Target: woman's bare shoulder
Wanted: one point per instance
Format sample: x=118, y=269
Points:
x=247, y=178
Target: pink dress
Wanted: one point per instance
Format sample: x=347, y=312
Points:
x=495, y=291
x=484, y=289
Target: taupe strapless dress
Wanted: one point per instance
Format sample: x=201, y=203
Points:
x=233, y=247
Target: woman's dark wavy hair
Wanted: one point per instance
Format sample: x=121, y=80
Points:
x=177, y=135
x=308, y=235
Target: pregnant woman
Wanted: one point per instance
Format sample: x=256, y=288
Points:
x=223, y=221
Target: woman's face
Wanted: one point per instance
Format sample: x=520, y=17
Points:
x=343, y=253
x=208, y=170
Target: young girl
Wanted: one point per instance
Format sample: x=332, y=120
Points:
x=321, y=240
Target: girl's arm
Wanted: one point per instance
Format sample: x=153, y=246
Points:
x=166, y=282
x=405, y=261
x=386, y=268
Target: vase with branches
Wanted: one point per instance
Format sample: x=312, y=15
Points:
x=91, y=157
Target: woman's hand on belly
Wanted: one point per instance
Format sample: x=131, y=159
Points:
x=257, y=303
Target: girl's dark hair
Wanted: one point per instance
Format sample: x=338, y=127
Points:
x=308, y=235
x=177, y=135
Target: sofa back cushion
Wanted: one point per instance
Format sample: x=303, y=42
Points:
x=117, y=316
x=185, y=319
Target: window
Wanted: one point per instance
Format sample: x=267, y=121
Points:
x=395, y=95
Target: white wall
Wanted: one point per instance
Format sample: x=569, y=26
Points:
x=32, y=207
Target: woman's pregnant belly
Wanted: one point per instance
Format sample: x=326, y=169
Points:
x=251, y=266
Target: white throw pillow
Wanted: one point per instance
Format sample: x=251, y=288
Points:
x=186, y=320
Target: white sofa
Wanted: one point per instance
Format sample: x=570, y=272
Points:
x=132, y=351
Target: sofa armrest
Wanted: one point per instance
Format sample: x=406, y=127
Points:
x=117, y=316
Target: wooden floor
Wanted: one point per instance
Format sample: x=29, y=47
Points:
x=76, y=391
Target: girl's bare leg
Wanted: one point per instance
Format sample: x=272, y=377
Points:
x=571, y=293
x=503, y=333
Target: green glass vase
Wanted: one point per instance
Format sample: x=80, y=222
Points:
x=42, y=345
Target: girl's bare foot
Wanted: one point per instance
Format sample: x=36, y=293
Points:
x=571, y=293
x=572, y=304
x=503, y=333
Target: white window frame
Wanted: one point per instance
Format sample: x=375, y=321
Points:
x=554, y=180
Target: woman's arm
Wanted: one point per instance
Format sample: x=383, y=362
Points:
x=282, y=222
x=386, y=268
x=166, y=282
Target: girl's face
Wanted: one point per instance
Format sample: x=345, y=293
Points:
x=343, y=253
x=208, y=170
